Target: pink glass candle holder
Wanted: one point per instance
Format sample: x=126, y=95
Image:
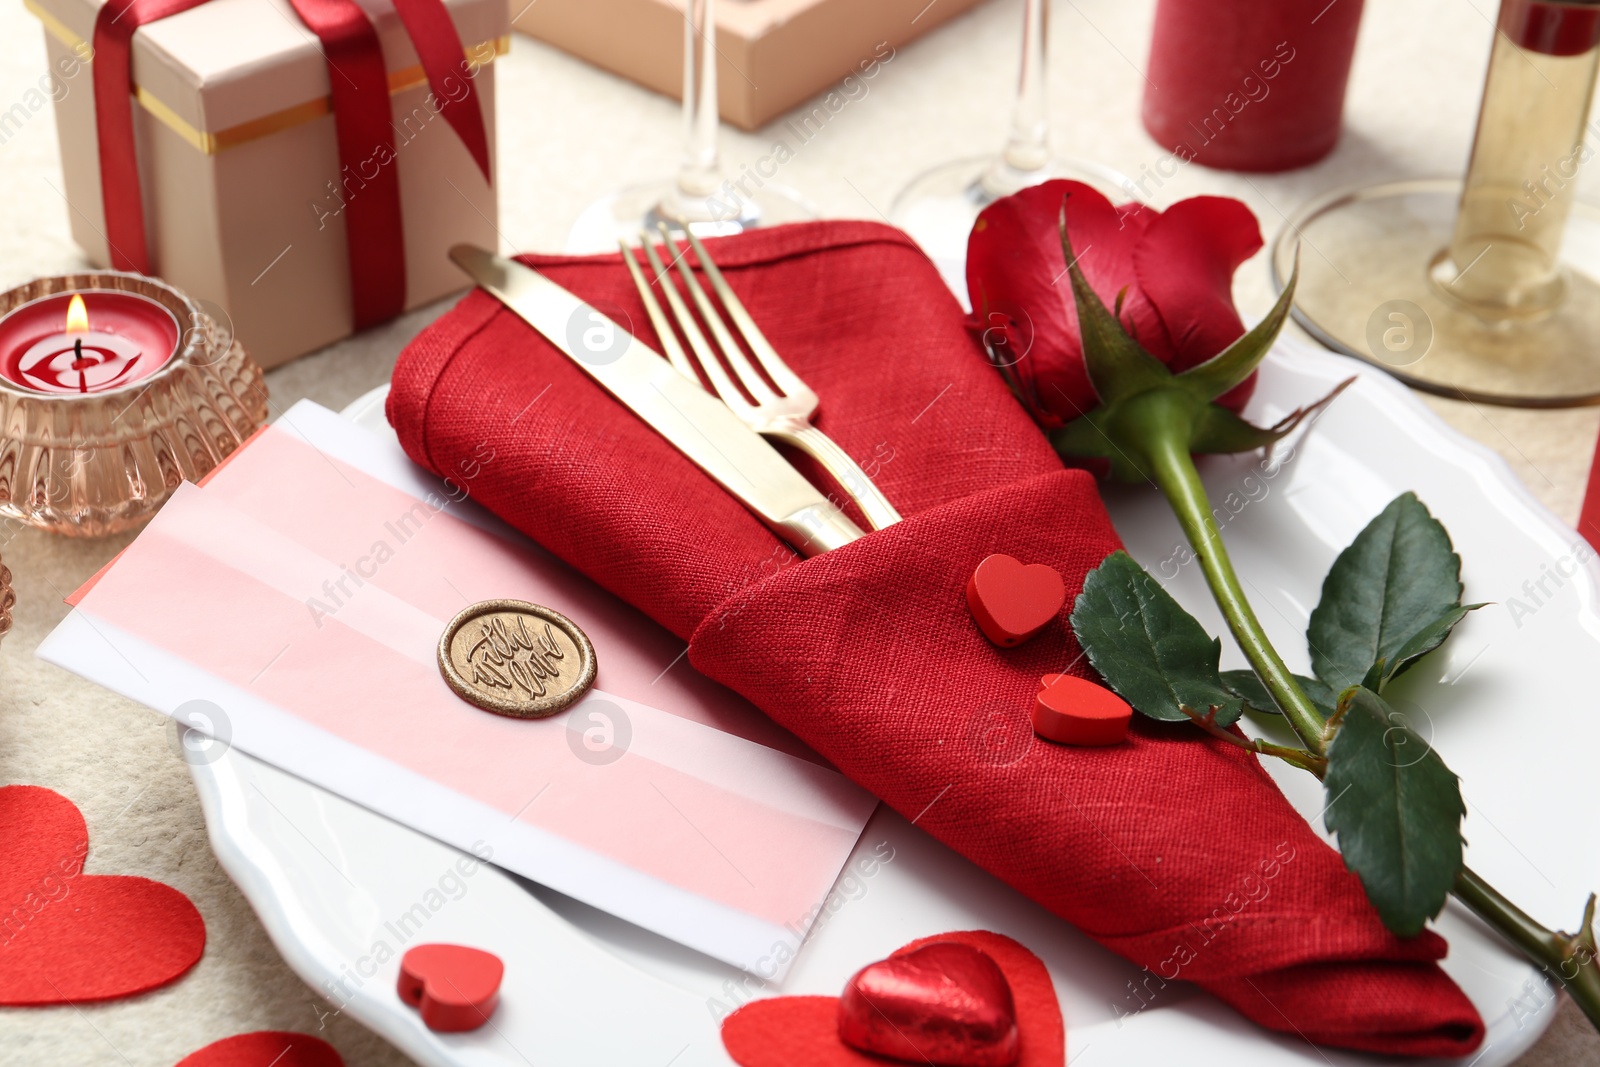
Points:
x=114, y=388
x=8, y=599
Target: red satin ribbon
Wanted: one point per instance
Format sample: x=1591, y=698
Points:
x=438, y=45
x=368, y=184
x=114, y=27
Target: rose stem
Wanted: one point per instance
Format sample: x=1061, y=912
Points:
x=1165, y=433
x=1165, y=437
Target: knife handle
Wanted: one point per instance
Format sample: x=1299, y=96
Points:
x=818, y=528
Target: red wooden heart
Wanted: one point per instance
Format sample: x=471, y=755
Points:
x=73, y=937
x=787, y=1031
x=944, y=1003
x=265, y=1048
x=1074, y=711
x=1012, y=602
x=454, y=987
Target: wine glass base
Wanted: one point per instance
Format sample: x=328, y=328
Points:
x=1373, y=285
x=621, y=215
x=940, y=206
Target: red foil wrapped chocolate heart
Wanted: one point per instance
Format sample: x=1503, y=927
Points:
x=945, y=1003
x=787, y=1031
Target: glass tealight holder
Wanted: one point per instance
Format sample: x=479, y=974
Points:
x=103, y=457
x=8, y=599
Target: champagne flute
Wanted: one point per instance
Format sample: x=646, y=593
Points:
x=940, y=206
x=700, y=197
x=1485, y=288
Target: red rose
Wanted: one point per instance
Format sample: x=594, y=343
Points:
x=1173, y=270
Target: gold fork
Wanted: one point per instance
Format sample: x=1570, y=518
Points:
x=784, y=413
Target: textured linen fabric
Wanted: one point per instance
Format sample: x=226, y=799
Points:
x=1177, y=852
x=851, y=304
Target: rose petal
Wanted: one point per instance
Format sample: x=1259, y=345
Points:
x=1185, y=264
x=1016, y=273
x=1105, y=239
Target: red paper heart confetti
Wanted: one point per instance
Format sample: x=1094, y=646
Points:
x=265, y=1048
x=66, y=936
x=1074, y=711
x=786, y=1031
x=1012, y=602
x=453, y=987
x=944, y=1003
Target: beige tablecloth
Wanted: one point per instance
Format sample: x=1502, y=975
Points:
x=566, y=132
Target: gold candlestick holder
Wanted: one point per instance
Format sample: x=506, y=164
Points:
x=1483, y=288
x=95, y=463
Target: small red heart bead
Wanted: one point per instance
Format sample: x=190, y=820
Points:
x=1073, y=711
x=1012, y=602
x=453, y=987
x=945, y=1003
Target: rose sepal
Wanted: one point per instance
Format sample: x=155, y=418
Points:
x=1141, y=400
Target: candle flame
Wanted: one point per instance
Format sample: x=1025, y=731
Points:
x=77, y=316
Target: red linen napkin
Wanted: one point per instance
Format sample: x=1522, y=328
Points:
x=1175, y=851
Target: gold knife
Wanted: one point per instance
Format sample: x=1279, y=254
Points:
x=692, y=420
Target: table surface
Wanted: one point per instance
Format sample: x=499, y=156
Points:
x=566, y=132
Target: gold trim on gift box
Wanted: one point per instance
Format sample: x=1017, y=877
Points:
x=212, y=143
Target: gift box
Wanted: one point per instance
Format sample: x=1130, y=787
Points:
x=243, y=179
x=772, y=54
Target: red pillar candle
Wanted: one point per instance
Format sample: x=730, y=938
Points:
x=86, y=342
x=1253, y=85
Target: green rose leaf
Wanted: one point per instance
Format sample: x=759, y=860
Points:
x=1155, y=655
x=1397, y=811
x=1248, y=688
x=1424, y=641
x=1385, y=597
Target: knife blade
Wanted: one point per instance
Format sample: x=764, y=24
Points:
x=693, y=421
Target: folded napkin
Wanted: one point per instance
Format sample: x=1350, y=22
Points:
x=1175, y=851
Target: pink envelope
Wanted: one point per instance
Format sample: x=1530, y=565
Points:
x=659, y=797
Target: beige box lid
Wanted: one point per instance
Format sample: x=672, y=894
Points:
x=230, y=69
x=771, y=54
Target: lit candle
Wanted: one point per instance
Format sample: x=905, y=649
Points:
x=89, y=342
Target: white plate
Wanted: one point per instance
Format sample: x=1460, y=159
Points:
x=1507, y=697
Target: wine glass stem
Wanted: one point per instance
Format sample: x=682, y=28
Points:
x=1027, y=149
x=701, y=171
x=1504, y=253
x=1028, y=146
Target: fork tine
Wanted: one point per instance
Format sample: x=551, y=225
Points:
x=771, y=362
x=658, y=318
x=740, y=363
x=721, y=384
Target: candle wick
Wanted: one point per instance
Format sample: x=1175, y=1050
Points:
x=77, y=349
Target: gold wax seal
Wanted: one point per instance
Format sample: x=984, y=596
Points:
x=516, y=658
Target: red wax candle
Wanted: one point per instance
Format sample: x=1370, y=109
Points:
x=1248, y=84
x=89, y=342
